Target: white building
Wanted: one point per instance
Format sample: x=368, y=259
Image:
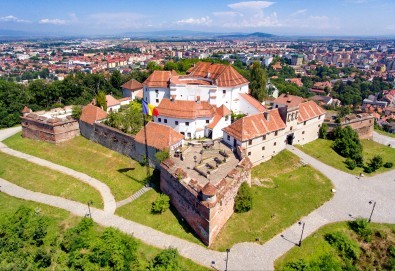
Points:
x=291, y=121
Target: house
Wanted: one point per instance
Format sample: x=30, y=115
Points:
x=133, y=89
x=91, y=114
x=194, y=119
x=113, y=105
x=362, y=123
x=261, y=136
x=296, y=81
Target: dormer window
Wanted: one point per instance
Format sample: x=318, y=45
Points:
x=224, y=91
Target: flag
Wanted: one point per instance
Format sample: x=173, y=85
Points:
x=149, y=109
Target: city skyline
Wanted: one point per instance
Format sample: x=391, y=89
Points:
x=278, y=17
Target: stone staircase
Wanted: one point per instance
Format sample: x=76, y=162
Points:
x=135, y=196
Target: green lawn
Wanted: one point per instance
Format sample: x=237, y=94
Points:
x=168, y=222
x=321, y=149
x=385, y=133
x=315, y=245
x=283, y=199
x=60, y=220
x=288, y=193
x=42, y=179
x=88, y=157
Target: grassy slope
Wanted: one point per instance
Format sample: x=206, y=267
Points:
x=60, y=220
x=315, y=245
x=42, y=179
x=88, y=157
x=321, y=150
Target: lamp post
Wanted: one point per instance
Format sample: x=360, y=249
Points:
x=301, y=235
x=227, y=257
x=89, y=208
x=374, y=205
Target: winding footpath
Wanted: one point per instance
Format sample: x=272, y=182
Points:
x=351, y=198
x=382, y=139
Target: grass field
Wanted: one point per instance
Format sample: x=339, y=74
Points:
x=321, y=150
x=287, y=194
x=88, y=157
x=168, y=222
x=283, y=199
x=384, y=133
x=315, y=245
x=60, y=220
x=42, y=179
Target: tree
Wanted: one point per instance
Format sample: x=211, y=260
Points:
x=101, y=100
x=116, y=80
x=167, y=260
x=243, y=200
x=162, y=155
x=161, y=204
x=258, y=82
x=152, y=66
x=323, y=132
x=376, y=162
x=347, y=143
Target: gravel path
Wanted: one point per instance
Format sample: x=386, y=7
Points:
x=350, y=200
x=382, y=139
x=108, y=198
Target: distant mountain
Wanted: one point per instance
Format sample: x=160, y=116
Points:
x=256, y=35
x=14, y=33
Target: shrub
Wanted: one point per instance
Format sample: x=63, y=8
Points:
x=161, y=204
x=243, y=200
x=376, y=162
x=323, y=132
x=351, y=164
x=388, y=165
x=361, y=227
x=347, y=248
x=368, y=169
x=77, y=111
x=166, y=260
x=162, y=155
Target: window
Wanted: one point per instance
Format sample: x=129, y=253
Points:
x=249, y=153
x=146, y=99
x=319, y=117
x=156, y=91
x=264, y=137
x=207, y=121
x=157, y=100
x=226, y=118
x=189, y=134
x=187, y=123
x=275, y=133
x=263, y=148
x=249, y=142
x=275, y=143
x=290, y=128
x=176, y=122
x=224, y=91
x=304, y=123
x=182, y=133
x=319, y=125
x=159, y=120
x=228, y=137
x=165, y=120
x=303, y=133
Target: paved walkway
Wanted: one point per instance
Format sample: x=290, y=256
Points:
x=108, y=198
x=385, y=140
x=133, y=197
x=351, y=198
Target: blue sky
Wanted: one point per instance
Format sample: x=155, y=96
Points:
x=290, y=17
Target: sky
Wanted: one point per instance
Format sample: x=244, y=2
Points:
x=279, y=17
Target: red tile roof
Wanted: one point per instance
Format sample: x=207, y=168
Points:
x=222, y=75
x=253, y=126
x=158, y=136
x=185, y=109
x=223, y=111
x=309, y=110
x=254, y=102
x=133, y=85
x=90, y=114
x=111, y=101
x=159, y=79
x=289, y=100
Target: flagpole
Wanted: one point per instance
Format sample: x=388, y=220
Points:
x=146, y=149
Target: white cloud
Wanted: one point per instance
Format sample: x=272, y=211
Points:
x=299, y=12
x=52, y=21
x=248, y=14
x=12, y=18
x=196, y=21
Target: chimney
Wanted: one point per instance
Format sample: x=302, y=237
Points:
x=267, y=115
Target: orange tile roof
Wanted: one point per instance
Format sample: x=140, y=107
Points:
x=289, y=100
x=111, y=101
x=254, y=102
x=90, y=114
x=253, y=126
x=222, y=75
x=158, y=136
x=185, y=109
x=133, y=85
x=309, y=110
x=223, y=111
x=159, y=79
